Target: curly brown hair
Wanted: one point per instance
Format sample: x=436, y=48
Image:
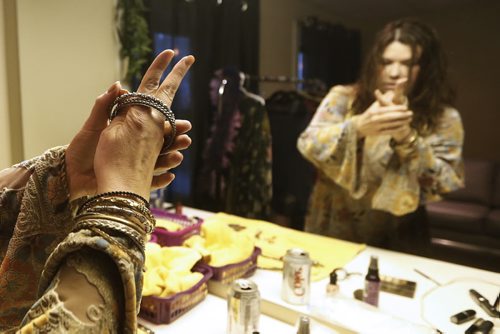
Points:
x=431, y=91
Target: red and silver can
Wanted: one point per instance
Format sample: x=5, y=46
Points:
x=243, y=307
x=296, y=287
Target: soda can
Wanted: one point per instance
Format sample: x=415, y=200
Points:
x=296, y=286
x=243, y=307
x=304, y=326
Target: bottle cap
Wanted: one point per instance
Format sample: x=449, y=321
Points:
x=373, y=262
x=333, y=278
x=304, y=325
x=463, y=316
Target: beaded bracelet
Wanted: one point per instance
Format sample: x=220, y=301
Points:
x=126, y=194
x=121, y=202
x=148, y=101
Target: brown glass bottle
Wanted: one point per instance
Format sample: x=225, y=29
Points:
x=372, y=283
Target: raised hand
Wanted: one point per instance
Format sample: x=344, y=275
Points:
x=128, y=148
x=393, y=97
x=396, y=97
x=80, y=153
x=172, y=157
x=385, y=116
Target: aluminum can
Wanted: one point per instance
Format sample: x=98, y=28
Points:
x=304, y=326
x=243, y=307
x=296, y=286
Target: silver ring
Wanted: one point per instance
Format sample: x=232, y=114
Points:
x=148, y=101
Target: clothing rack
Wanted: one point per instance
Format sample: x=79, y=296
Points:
x=315, y=87
x=281, y=78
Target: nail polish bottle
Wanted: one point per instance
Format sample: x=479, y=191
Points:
x=332, y=287
x=372, y=283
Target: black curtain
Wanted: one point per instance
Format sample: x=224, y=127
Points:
x=219, y=33
x=331, y=52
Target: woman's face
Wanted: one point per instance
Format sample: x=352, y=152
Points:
x=397, y=64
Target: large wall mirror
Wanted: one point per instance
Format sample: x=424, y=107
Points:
x=264, y=35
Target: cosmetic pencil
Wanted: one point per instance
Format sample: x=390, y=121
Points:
x=427, y=276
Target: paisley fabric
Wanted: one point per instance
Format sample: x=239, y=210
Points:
x=36, y=242
x=363, y=184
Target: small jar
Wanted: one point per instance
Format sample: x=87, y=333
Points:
x=332, y=288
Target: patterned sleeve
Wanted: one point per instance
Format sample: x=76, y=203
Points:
x=53, y=277
x=432, y=167
x=330, y=142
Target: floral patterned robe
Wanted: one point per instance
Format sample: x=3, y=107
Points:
x=363, y=184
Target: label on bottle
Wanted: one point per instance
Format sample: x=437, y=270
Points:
x=372, y=291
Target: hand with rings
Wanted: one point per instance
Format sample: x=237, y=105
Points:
x=388, y=115
x=125, y=154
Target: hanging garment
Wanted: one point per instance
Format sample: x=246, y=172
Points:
x=250, y=185
x=235, y=175
x=293, y=176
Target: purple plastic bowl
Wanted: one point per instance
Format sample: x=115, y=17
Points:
x=230, y=272
x=165, y=310
x=192, y=226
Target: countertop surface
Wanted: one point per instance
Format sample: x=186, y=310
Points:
x=444, y=292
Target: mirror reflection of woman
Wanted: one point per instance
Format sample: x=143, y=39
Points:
x=386, y=145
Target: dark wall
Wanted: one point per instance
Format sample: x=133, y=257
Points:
x=471, y=36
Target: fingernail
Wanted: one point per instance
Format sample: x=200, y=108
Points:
x=113, y=87
x=189, y=60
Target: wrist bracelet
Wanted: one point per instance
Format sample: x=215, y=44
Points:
x=126, y=194
x=408, y=141
x=107, y=225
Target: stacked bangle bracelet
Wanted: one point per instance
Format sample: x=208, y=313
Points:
x=120, y=211
x=147, y=101
x=406, y=148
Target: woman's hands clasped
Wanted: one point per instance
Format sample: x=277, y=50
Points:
x=125, y=155
x=388, y=115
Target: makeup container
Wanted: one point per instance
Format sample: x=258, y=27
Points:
x=332, y=288
x=463, y=316
x=480, y=326
x=484, y=303
x=372, y=283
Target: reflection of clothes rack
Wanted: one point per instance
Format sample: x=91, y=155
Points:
x=315, y=86
x=289, y=113
x=236, y=173
x=280, y=78
x=220, y=92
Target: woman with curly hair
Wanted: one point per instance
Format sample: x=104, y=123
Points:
x=386, y=145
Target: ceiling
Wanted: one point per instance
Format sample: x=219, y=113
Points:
x=366, y=9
